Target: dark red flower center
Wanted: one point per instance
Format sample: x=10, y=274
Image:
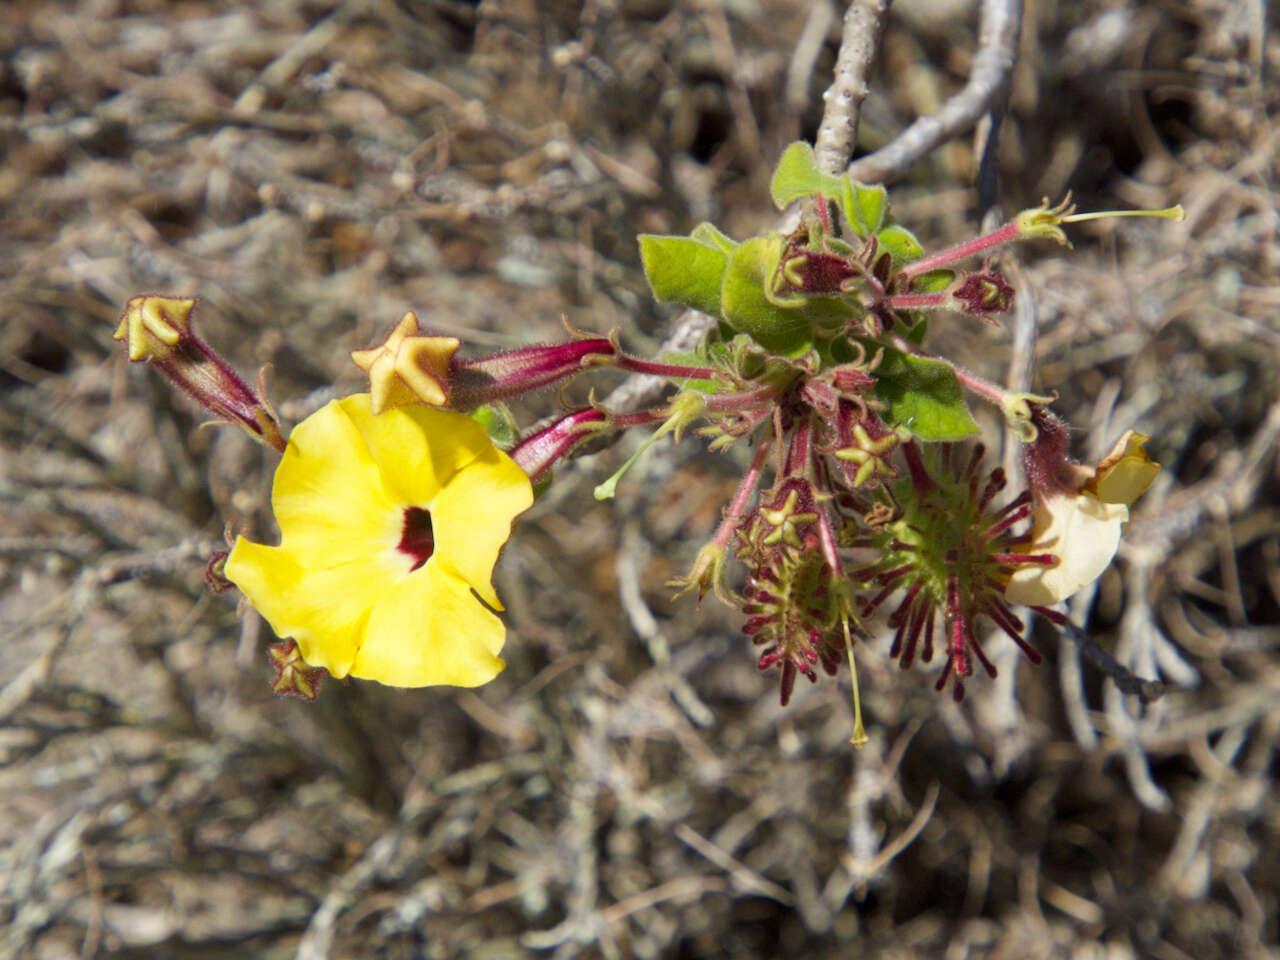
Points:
x=417, y=539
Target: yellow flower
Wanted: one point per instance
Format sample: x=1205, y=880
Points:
x=388, y=524
x=1083, y=529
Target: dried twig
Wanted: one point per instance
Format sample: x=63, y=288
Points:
x=1125, y=680
x=821, y=15
x=988, y=82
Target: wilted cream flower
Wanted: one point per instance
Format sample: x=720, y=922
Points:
x=1083, y=529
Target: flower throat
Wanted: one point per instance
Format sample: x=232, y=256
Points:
x=417, y=538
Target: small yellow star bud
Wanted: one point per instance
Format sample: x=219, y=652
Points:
x=294, y=677
x=408, y=368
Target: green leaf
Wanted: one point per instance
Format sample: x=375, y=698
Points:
x=865, y=207
x=711, y=235
x=683, y=270
x=922, y=395
x=919, y=326
x=797, y=175
x=900, y=242
x=746, y=302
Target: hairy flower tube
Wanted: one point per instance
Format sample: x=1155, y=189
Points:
x=390, y=528
x=157, y=330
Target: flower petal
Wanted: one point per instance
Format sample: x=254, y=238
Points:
x=429, y=629
x=1084, y=534
x=1126, y=472
x=328, y=495
x=472, y=518
x=417, y=449
x=323, y=610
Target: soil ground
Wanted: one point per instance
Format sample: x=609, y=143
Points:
x=629, y=786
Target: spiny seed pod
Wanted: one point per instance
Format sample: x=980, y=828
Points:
x=951, y=557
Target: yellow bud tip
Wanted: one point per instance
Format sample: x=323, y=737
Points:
x=408, y=367
x=151, y=322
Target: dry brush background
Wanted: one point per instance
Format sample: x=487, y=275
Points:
x=629, y=786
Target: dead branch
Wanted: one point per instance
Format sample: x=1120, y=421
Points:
x=988, y=83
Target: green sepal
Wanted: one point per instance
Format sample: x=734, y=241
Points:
x=839, y=351
x=901, y=243
x=542, y=484
x=742, y=355
x=684, y=270
x=747, y=300
x=922, y=395
x=498, y=422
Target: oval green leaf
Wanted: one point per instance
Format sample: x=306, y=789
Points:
x=922, y=395
x=683, y=270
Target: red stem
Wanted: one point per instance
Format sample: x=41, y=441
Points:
x=983, y=388
x=917, y=301
x=672, y=371
x=997, y=238
x=742, y=401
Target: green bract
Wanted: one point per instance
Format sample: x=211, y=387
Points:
x=750, y=305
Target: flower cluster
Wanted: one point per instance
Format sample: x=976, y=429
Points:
x=393, y=505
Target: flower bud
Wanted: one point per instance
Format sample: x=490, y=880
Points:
x=294, y=678
x=408, y=367
x=157, y=330
x=983, y=294
x=536, y=453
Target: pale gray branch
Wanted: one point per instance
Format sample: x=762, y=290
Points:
x=838, y=134
x=987, y=86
